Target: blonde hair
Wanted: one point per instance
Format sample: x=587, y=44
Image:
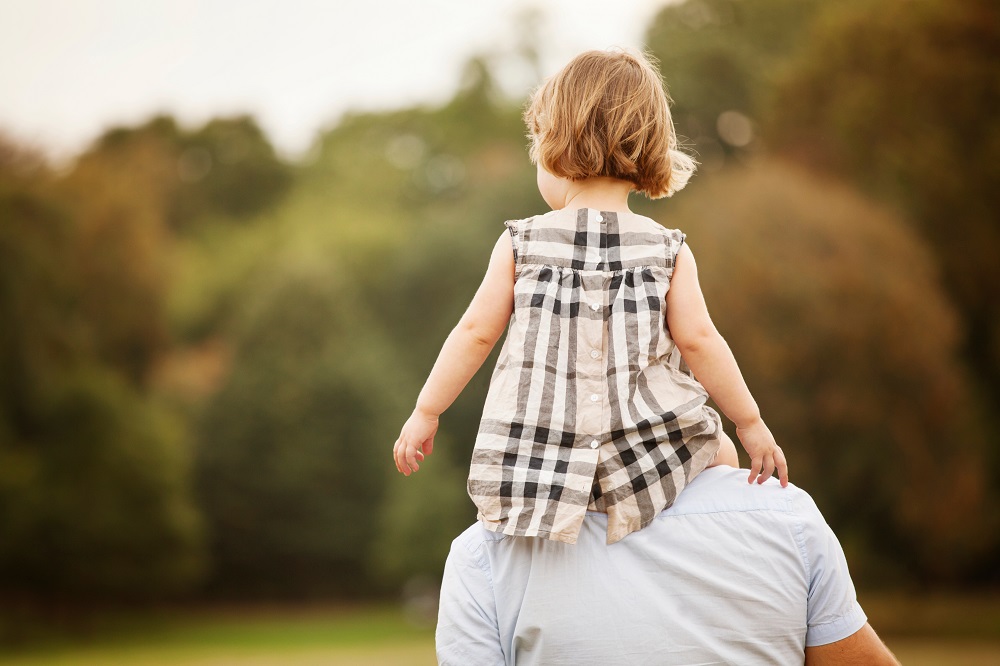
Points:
x=607, y=113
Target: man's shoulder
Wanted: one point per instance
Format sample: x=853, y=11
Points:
x=725, y=489
x=469, y=545
x=716, y=490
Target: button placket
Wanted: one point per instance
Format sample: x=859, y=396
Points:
x=594, y=389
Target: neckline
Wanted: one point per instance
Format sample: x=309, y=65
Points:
x=598, y=210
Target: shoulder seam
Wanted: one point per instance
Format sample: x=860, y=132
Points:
x=515, y=233
x=675, y=236
x=800, y=539
x=476, y=552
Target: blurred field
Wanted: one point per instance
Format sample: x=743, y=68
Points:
x=419, y=653
x=949, y=630
x=918, y=652
x=416, y=654
x=212, y=637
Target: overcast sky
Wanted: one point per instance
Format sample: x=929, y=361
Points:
x=71, y=68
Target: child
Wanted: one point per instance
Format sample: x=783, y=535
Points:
x=593, y=404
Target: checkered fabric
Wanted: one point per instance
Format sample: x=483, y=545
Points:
x=590, y=405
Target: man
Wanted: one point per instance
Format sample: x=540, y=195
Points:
x=732, y=573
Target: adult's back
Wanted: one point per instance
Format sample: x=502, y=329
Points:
x=732, y=573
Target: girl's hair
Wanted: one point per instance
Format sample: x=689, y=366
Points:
x=607, y=113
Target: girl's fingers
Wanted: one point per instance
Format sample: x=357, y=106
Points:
x=411, y=459
x=395, y=456
x=779, y=458
x=768, y=469
x=399, y=454
x=408, y=456
x=755, y=465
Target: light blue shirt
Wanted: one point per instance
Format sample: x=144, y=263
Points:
x=730, y=574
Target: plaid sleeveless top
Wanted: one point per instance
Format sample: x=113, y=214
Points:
x=590, y=406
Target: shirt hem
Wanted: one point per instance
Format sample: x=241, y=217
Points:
x=837, y=630
x=504, y=528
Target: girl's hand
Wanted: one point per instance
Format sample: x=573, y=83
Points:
x=765, y=454
x=415, y=442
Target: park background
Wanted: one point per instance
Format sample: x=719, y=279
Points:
x=208, y=346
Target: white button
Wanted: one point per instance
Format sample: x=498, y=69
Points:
x=595, y=398
x=600, y=218
x=595, y=354
x=595, y=306
x=594, y=444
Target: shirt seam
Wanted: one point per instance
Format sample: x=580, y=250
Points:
x=721, y=511
x=800, y=542
x=513, y=227
x=477, y=554
x=593, y=270
x=837, y=629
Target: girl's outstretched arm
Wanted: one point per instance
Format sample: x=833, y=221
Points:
x=708, y=355
x=463, y=353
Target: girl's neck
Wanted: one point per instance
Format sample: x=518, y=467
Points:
x=599, y=193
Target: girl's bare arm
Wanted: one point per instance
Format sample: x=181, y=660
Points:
x=462, y=354
x=475, y=335
x=708, y=355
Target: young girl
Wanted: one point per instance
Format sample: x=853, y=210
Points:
x=597, y=401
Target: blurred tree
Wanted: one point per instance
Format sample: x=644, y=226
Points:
x=93, y=497
x=228, y=167
x=719, y=59
x=353, y=285
x=120, y=255
x=293, y=449
x=94, y=502
x=901, y=97
x=421, y=516
x=833, y=309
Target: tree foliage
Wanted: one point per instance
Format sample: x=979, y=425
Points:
x=720, y=59
x=94, y=501
x=226, y=167
x=900, y=98
x=834, y=310
x=288, y=471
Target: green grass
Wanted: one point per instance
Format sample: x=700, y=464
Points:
x=261, y=635
x=921, y=631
